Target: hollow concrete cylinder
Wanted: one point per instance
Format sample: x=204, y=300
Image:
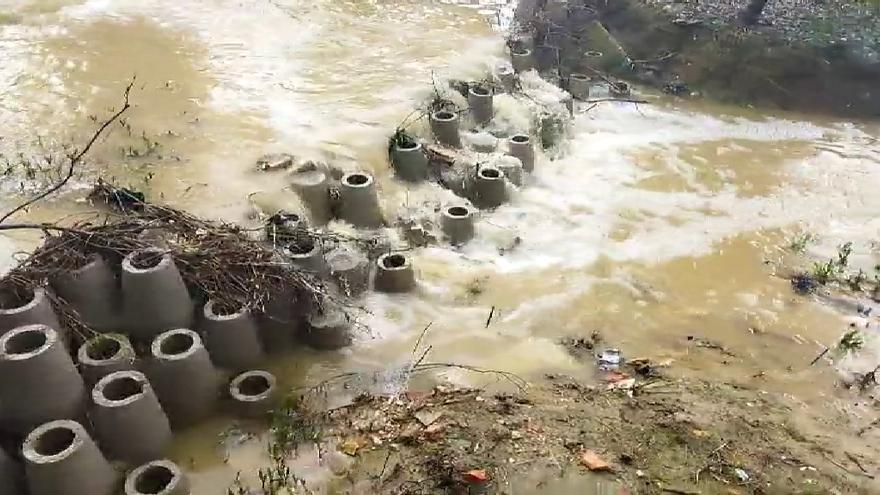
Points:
x=305, y=254
x=481, y=104
x=11, y=475
x=358, y=201
x=350, y=270
x=410, y=163
x=483, y=142
x=155, y=298
x=93, y=292
x=520, y=146
x=394, y=273
x=488, y=189
x=61, y=458
x=159, y=477
x=619, y=89
x=457, y=223
x=284, y=227
x=512, y=168
x=279, y=324
x=182, y=376
x=253, y=393
x=556, y=11
x=130, y=425
x=104, y=354
x=313, y=188
x=579, y=86
x=38, y=380
x=327, y=329
x=546, y=57
x=231, y=336
x=522, y=60
x=444, y=126
x=507, y=76
x=27, y=308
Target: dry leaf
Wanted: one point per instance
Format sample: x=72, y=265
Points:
x=593, y=462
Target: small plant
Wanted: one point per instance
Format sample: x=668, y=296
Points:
x=799, y=243
x=855, y=281
x=803, y=283
x=833, y=269
x=851, y=342
x=401, y=139
x=843, y=253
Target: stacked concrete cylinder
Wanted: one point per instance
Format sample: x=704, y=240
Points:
x=409, y=161
x=38, y=380
x=155, y=298
x=458, y=224
x=28, y=308
x=129, y=422
x=328, y=328
x=231, y=336
x=512, y=168
x=159, y=477
x=182, y=375
x=305, y=254
x=521, y=59
x=579, y=86
x=61, y=458
x=480, y=101
x=350, y=270
x=93, y=291
x=394, y=273
x=285, y=227
x=358, y=201
x=444, y=126
x=11, y=475
x=313, y=188
x=253, y=393
x=488, y=187
x=520, y=146
x=104, y=354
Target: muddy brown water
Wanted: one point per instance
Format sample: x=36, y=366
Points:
x=658, y=222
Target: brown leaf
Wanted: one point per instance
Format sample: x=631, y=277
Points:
x=476, y=476
x=593, y=462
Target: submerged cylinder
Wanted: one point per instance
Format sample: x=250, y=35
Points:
x=61, y=458
x=507, y=76
x=444, y=126
x=253, y=393
x=280, y=323
x=231, y=336
x=155, y=298
x=159, y=477
x=520, y=146
x=358, y=201
x=305, y=254
x=104, y=354
x=182, y=375
x=93, y=292
x=512, y=168
x=458, y=224
x=350, y=270
x=409, y=161
x=579, y=86
x=313, y=188
x=481, y=104
x=129, y=422
x=11, y=475
x=328, y=328
x=38, y=380
x=521, y=59
x=284, y=227
x=488, y=189
x=394, y=273
x=27, y=307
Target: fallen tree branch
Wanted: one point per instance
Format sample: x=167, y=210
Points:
x=622, y=100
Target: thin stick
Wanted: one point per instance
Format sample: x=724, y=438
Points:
x=419, y=341
x=821, y=354
x=491, y=314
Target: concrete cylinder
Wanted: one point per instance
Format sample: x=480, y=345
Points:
x=279, y=324
x=350, y=270
x=27, y=307
x=507, y=76
x=130, y=425
x=284, y=227
x=579, y=86
x=182, y=375
x=358, y=202
x=394, y=273
x=512, y=168
x=592, y=59
x=104, y=354
x=444, y=126
x=481, y=104
x=231, y=336
x=313, y=188
x=556, y=11
x=38, y=380
x=522, y=60
x=93, y=291
x=482, y=142
x=520, y=146
x=457, y=223
x=305, y=254
x=61, y=458
x=327, y=329
x=160, y=477
x=253, y=393
x=155, y=298
x=619, y=89
x=546, y=57
x=410, y=162
x=11, y=475
x=488, y=189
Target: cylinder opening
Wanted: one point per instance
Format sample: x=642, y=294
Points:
x=103, y=348
x=144, y=260
x=579, y=77
x=122, y=388
x=458, y=211
x=154, y=479
x=13, y=297
x=490, y=173
x=520, y=139
x=592, y=54
x=357, y=179
x=281, y=219
x=521, y=51
x=394, y=261
x=26, y=342
x=225, y=308
x=408, y=145
x=54, y=441
x=254, y=385
x=177, y=343
x=444, y=115
x=620, y=87
x=301, y=247
x=480, y=91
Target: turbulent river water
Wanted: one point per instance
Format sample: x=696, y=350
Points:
x=654, y=222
